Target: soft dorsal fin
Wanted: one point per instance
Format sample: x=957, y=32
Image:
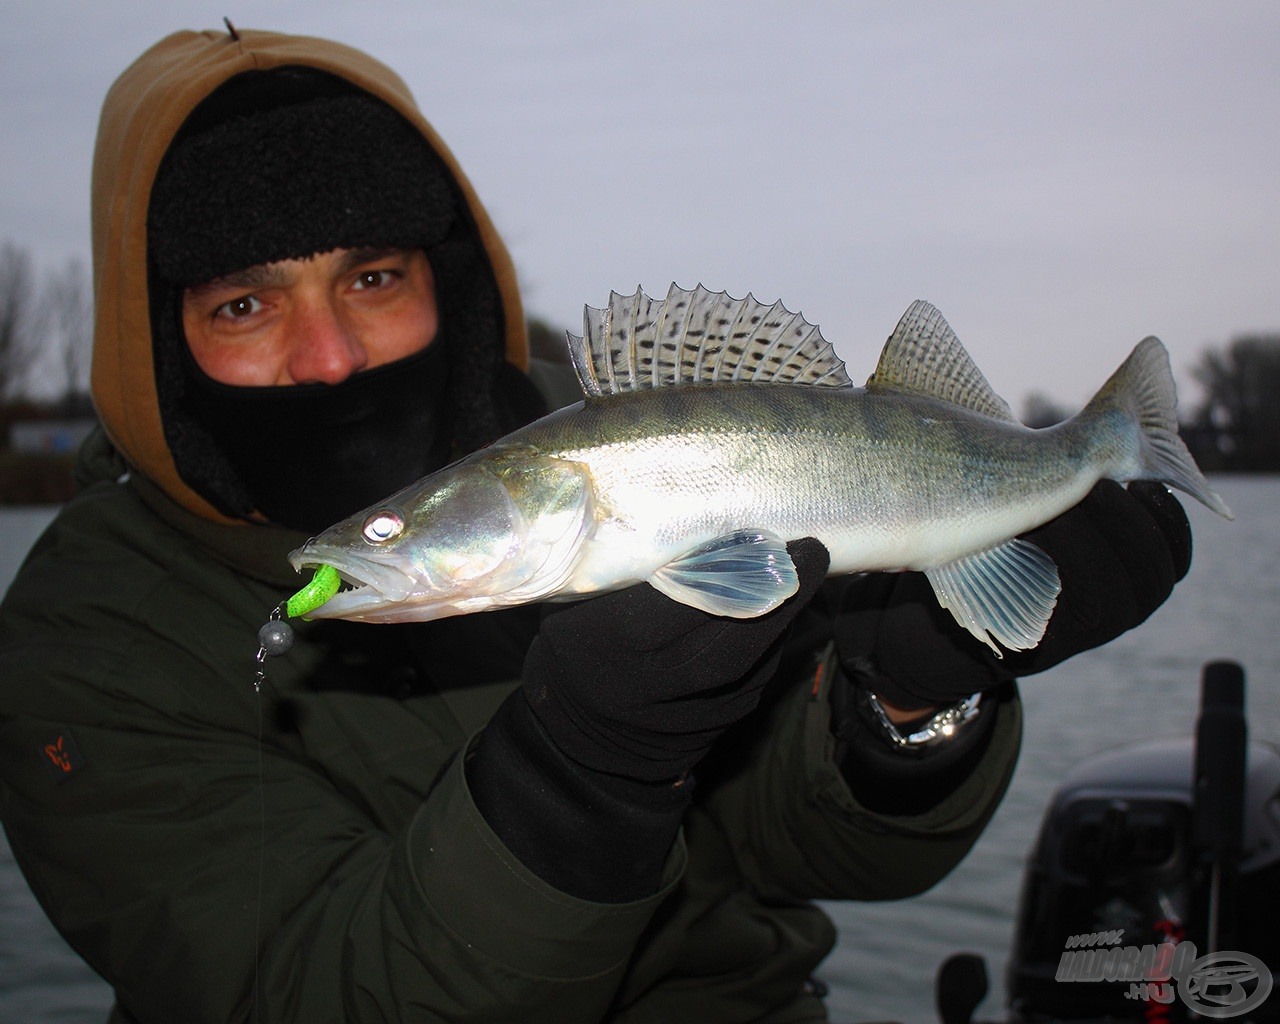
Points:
x=698, y=337
x=924, y=355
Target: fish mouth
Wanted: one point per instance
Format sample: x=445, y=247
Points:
x=367, y=585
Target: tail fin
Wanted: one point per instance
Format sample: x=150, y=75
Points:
x=1143, y=388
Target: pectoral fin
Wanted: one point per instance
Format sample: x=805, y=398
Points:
x=1004, y=594
x=740, y=575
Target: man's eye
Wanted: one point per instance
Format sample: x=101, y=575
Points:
x=373, y=279
x=238, y=309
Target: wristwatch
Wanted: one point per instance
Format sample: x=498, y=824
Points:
x=940, y=729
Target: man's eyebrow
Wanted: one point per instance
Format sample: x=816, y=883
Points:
x=370, y=254
x=273, y=275
x=263, y=275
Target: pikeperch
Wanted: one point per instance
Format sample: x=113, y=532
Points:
x=713, y=430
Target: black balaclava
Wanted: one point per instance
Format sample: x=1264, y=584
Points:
x=337, y=447
x=287, y=164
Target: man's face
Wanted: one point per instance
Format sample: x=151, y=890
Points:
x=312, y=321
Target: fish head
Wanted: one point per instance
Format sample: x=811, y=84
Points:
x=494, y=530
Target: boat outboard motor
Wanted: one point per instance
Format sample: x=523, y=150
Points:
x=1149, y=856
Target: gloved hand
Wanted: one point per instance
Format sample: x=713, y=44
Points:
x=1119, y=553
x=637, y=685
x=579, y=771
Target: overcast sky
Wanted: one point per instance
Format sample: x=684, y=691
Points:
x=1059, y=179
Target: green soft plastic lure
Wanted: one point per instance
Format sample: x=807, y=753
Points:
x=324, y=584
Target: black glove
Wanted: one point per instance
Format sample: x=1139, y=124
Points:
x=1119, y=553
x=623, y=694
x=637, y=685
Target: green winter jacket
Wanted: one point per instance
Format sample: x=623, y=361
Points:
x=313, y=846
x=308, y=851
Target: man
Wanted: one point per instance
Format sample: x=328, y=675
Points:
x=611, y=811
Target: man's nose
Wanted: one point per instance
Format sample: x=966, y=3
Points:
x=324, y=346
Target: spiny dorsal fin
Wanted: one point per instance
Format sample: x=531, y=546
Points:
x=698, y=337
x=924, y=355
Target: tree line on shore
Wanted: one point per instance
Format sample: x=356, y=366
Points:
x=46, y=330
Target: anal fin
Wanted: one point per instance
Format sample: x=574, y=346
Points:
x=1005, y=594
x=740, y=575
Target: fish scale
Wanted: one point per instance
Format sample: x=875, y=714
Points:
x=714, y=430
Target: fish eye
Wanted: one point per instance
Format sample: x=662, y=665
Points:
x=382, y=527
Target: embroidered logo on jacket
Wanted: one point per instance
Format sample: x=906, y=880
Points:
x=61, y=756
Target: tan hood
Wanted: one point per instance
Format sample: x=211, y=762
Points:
x=141, y=114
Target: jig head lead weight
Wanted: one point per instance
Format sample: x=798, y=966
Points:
x=274, y=638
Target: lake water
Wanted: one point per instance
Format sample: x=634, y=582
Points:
x=1143, y=685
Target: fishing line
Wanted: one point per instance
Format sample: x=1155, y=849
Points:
x=274, y=638
x=262, y=852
